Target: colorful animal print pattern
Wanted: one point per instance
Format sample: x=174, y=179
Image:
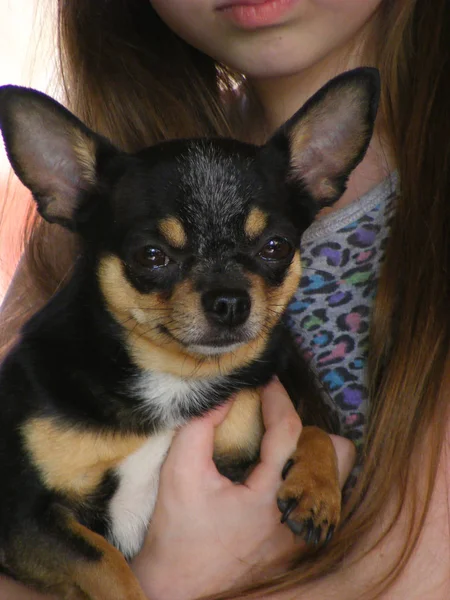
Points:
x=330, y=313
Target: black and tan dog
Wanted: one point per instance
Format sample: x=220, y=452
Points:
x=189, y=258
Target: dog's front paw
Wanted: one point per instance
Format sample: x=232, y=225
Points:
x=310, y=496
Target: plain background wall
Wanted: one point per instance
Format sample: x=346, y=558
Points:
x=27, y=57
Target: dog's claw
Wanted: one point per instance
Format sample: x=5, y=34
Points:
x=287, y=467
x=296, y=527
x=287, y=507
x=310, y=531
x=318, y=535
x=329, y=534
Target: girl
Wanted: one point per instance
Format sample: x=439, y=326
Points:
x=139, y=72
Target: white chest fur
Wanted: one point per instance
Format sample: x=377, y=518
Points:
x=134, y=501
x=167, y=397
x=164, y=397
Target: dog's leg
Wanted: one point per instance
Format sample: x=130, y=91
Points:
x=65, y=558
x=111, y=577
x=310, y=496
x=238, y=438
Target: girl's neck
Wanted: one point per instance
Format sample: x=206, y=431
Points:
x=281, y=96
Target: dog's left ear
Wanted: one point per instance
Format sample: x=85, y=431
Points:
x=51, y=151
x=325, y=140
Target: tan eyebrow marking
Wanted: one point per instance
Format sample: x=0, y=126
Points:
x=172, y=229
x=256, y=223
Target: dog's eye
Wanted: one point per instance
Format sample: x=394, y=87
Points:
x=151, y=258
x=276, y=249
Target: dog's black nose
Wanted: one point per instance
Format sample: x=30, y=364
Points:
x=231, y=307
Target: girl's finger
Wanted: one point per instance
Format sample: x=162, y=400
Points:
x=192, y=449
x=283, y=429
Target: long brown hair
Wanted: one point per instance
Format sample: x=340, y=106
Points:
x=132, y=79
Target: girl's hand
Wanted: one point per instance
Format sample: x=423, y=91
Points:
x=208, y=534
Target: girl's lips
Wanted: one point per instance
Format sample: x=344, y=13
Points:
x=252, y=14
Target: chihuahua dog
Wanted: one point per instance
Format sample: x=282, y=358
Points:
x=189, y=257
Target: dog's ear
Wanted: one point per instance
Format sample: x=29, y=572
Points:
x=51, y=151
x=325, y=140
